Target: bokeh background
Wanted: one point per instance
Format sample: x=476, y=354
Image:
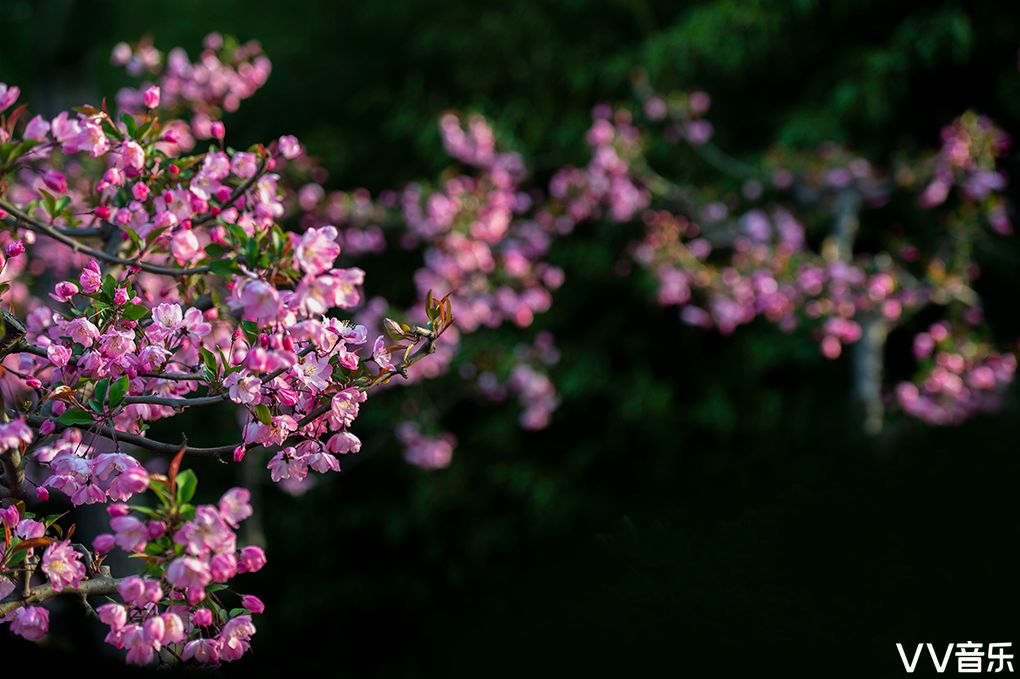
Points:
x=700, y=505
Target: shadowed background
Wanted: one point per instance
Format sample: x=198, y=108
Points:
x=699, y=503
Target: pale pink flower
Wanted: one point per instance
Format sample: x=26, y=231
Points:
x=30, y=622
x=317, y=250
x=63, y=566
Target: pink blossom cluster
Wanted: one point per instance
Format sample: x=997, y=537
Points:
x=607, y=182
x=971, y=145
x=224, y=75
x=139, y=280
x=178, y=601
x=959, y=377
x=176, y=604
x=423, y=450
x=769, y=274
x=725, y=268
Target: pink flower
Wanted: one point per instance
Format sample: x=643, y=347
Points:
x=131, y=534
x=58, y=354
x=234, y=506
x=313, y=372
x=14, y=434
x=260, y=300
x=201, y=617
x=185, y=247
x=289, y=146
x=287, y=464
x=317, y=250
x=173, y=628
x=30, y=528
x=9, y=517
x=14, y=249
x=31, y=622
x=55, y=181
x=253, y=604
x=203, y=651
x=82, y=331
x=64, y=291
x=345, y=405
x=140, y=649
x=132, y=590
x=132, y=157
x=235, y=637
x=343, y=442
x=91, y=278
x=114, y=615
x=244, y=165
x=129, y=482
x=381, y=354
x=206, y=532
x=223, y=566
x=104, y=543
x=62, y=565
x=189, y=574
x=8, y=95
x=37, y=129
x=140, y=191
x=151, y=97
x=251, y=559
x=243, y=388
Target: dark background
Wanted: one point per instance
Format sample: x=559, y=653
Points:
x=700, y=506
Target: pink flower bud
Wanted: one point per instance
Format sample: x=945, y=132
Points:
x=117, y=509
x=251, y=559
x=120, y=296
x=14, y=248
x=202, y=617
x=55, y=181
x=155, y=529
x=103, y=544
x=252, y=603
x=218, y=129
x=41, y=494
x=151, y=97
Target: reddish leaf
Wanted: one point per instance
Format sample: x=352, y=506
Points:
x=175, y=466
x=33, y=542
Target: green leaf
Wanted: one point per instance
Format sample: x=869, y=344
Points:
x=117, y=390
x=251, y=331
x=187, y=482
x=109, y=284
x=215, y=250
x=134, y=312
x=75, y=416
x=223, y=267
x=100, y=392
x=263, y=414
x=210, y=361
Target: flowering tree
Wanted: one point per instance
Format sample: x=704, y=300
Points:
x=143, y=277
x=781, y=240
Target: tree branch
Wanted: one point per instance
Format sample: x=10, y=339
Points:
x=96, y=586
x=22, y=219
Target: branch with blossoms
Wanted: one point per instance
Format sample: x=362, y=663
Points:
x=176, y=609
x=765, y=266
x=141, y=277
